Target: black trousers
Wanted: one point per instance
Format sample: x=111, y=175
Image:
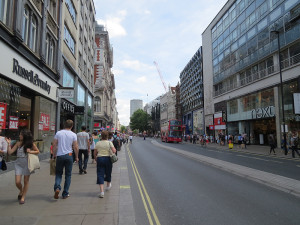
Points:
x=86, y=158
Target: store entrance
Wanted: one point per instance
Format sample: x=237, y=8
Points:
x=25, y=113
x=262, y=129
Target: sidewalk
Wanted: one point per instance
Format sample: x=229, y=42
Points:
x=258, y=149
x=82, y=207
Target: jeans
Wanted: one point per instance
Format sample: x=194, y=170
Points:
x=104, y=169
x=85, y=161
x=64, y=161
x=295, y=149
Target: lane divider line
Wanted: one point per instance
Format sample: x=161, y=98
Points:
x=143, y=192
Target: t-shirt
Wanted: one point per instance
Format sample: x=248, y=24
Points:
x=104, y=148
x=3, y=146
x=65, y=140
x=83, y=138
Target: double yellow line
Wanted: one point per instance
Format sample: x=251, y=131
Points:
x=144, y=195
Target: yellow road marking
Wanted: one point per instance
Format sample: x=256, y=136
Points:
x=143, y=189
x=125, y=187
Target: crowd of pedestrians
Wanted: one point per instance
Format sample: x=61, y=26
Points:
x=66, y=149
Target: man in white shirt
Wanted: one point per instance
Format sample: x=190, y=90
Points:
x=63, y=143
x=84, y=148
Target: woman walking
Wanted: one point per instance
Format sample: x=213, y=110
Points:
x=103, y=151
x=23, y=147
x=95, y=139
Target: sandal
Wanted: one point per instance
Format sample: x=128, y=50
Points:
x=19, y=197
x=21, y=202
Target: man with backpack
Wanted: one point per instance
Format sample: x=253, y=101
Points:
x=294, y=144
x=116, y=142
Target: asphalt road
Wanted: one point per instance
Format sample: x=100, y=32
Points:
x=180, y=190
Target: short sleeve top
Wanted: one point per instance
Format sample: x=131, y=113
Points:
x=104, y=148
x=3, y=144
x=65, y=140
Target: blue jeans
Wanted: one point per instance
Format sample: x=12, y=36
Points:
x=104, y=169
x=64, y=161
x=85, y=161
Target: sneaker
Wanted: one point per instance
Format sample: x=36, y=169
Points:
x=80, y=172
x=85, y=172
x=108, y=188
x=101, y=195
x=65, y=197
x=56, y=193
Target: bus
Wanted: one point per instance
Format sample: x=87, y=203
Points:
x=172, y=132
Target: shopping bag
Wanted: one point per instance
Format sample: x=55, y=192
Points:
x=33, y=162
x=52, y=167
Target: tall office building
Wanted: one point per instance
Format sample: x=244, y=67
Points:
x=242, y=72
x=135, y=104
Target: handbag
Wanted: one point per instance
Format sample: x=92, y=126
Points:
x=3, y=165
x=33, y=162
x=113, y=157
x=52, y=167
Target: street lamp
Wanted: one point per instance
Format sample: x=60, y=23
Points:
x=281, y=87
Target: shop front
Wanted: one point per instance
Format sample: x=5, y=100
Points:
x=27, y=100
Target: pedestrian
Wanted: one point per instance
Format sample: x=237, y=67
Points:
x=3, y=148
x=194, y=139
x=64, y=141
x=83, y=140
x=95, y=139
x=294, y=144
x=130, y=138
x=103, y=151
x=24, y=146
x=272, y=144
x=116, y=142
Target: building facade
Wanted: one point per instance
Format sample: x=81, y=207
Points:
x=242, y=68
x=192, y=95
x=30, y=69
x=105, y=100
x=77, y=47
x=135, y=104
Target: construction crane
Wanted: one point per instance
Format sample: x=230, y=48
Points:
x=161, y=77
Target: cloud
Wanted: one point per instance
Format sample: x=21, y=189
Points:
x=114, y=24
x=140, y=80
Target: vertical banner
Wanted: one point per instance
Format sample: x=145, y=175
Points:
x=3, y=114
x=44, y=122
x=13, y=123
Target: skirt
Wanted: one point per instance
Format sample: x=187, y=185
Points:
x=21, y=166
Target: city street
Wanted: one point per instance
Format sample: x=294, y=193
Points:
x=184, y=191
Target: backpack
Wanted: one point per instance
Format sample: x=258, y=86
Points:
x=116, y=142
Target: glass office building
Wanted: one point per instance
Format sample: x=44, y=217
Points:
x=245, y=65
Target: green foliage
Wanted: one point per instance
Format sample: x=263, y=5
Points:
x=123, y=129
x=139, y=120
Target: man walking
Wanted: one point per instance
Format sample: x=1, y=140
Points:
x=63, y=143
x=84, y=149
x=294, y=144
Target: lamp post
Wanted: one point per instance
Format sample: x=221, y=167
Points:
x=281, y=87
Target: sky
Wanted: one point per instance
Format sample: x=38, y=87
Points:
x=143, y=31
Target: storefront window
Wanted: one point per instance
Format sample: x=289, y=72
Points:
x=68, y=81
x=80, y=95
x=89, y=105
x=233, y=106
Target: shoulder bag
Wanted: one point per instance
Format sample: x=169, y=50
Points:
x=3, y=165
x=33, y=162
x=113, y=157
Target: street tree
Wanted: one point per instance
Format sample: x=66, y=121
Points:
x=139, y=120
x=123, y=129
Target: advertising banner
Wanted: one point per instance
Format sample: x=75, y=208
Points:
x=13, y=123
x=3, y=114
x=45, y=122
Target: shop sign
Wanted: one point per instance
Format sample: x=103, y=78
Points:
x=266, y=112
x=107, y=126
x=79, y=110
x=13, y=123
x=68, y=107
x=211, y=127
x=3, y=114
x=96, y=124
x=40, y=125
x=296, y=103
x=52, y=126
x=30, y=76
x=66, y=93
x=45, y=121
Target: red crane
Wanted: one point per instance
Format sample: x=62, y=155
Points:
x=161, y=77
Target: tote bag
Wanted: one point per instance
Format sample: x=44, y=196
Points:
x=33, y=162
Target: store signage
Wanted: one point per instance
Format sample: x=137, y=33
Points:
x=296, y=103
x=68, y=107
x=79, y=110
x=66, y=93
x=52, y=126
x=13, y=123
x=96, y=124
x=211, y=127
x=266, y=112
x=30, y=76
x=3, y=114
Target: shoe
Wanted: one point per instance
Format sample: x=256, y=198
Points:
x=108, y=188
x=21, y=202
x=56, y=194
x=19, y=197
x=101, y=195
x=85, y=172
x=65, y=197
x=80, y=172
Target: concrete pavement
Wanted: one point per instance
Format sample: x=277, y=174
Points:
x=82, y=207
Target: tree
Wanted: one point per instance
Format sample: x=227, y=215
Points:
x=123, y=129
x=139, y=120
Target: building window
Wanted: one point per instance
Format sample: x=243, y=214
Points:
x=49, y=51
x=97, y=105
x=52, y=8
x=71, y=9
x=30, y=26
x=4, y=11
x=69, y=40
